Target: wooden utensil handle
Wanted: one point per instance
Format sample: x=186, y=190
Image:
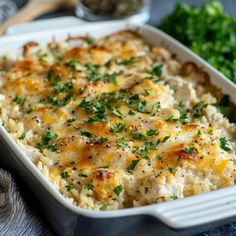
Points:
x=30, y=11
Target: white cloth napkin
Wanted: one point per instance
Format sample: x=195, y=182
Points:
x=16, y=218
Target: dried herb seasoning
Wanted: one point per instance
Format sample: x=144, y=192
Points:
x=114, y=8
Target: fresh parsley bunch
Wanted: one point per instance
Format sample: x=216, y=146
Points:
x=208, y=31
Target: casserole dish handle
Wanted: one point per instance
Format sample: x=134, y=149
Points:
x=196, y=210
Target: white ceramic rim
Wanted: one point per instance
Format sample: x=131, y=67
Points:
x=182, y=213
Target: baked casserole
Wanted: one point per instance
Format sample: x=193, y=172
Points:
x=116, y=123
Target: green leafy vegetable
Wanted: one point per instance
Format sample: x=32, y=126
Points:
x=71, y=120
x=103, y=207
x=86, y=134
x=48, y=141
x=68, y=188
x=157, y=70
x=132, y=165
x=23, y=135
x=208, y=31
x=72, y=65
x=19, y=101
x=190, y=150
x=122, y=143
x=151, y=132
x=198, y=109
x=224, y=144
x=225, y=108
x=117, y=113
x=138, y=135
x=89, y=40
x=118, y=127
x=118, y=189
x=64, y=175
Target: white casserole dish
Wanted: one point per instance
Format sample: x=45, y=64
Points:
x=179, y=214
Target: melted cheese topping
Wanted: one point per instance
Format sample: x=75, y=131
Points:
x=117, y=123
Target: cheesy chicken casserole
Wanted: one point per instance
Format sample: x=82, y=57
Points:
x=116, y=123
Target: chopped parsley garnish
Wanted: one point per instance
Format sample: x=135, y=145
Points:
x=96, y=119
x=53, y=79
x=30, y=110
x=118, y=189
x=19, y=101
x=48, y=137
x=112, y=78
x=143, y=152
x=174, y=197
x=138, y=135
x=131, y=113
x=64, y=175
x=225, y=108
x=184, y=119
x=90, y=186
x=132, y=165
x=141, y=106
x=93, y=74
x=72, y=65
x=190, y=150
x=151, y=132
x=42, y=100
x=127, y=61
x=118, y=127
x=102, y=140
x=48, y=142
x=165, y=139
x=103, y=207
x=210, y=132
x=86, y=134
x=182, y=107
x=68, y=188
x=83, y=175
x=23, y=135
x=117, y=113
x=60, y=102
x=122, y=143
x=199, y=108
x=147, y=91
x=157, y=70
x=224, y=144
x=71, y=120
x=90, y=40
x=86, y=105
x=156, y=107
x=66, y=87
x=158, y=157
x=132, y=99
x=170, y=169
x=172, y=119
x=90, y=67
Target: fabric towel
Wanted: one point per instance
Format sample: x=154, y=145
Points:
x=15, y=217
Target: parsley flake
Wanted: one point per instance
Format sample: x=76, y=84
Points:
x=64, y=175
x=133, y=164
x=224, y=144
x=23, y=135
x=117, y=190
